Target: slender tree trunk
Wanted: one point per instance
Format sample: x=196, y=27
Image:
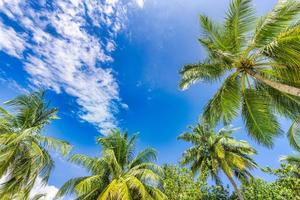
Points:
x=236, y=188
x=278, y=86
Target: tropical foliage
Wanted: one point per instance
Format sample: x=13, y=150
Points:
x=286, y=186
x=213, y=152
x=23, y=147
x=117, y=174
x=260, y=60
x=180, y=184
x=257, y=62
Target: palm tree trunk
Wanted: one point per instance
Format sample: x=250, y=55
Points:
x=278, y=86
x=236, y=188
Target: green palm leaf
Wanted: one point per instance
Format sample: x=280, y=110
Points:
x=197, y=72
x=294, y=135
x=226, y=102
x=275, y=22
x=259, y=119
x=239, y=21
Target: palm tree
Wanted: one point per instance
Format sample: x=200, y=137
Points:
x=213, y=152
x=117, y=174
x=23, y=148
x=259, y=67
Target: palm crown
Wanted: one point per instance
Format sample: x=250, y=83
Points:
x=117, y=174
x=261, y=64
x=212, y=152
x=23, y=148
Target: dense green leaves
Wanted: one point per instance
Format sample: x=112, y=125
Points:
x=285, y=186
x=179, y=184
x=279, y=190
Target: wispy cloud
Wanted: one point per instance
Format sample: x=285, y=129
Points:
x=13, y=85
x=66, y=50
x=10, y=42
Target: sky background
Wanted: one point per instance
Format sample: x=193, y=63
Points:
x=113, y=63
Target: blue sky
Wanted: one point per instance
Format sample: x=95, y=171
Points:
x=113, y=63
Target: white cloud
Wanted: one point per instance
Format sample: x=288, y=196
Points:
x=140, y=3
x=10, y=42
x=40, y=188
x=64, y=55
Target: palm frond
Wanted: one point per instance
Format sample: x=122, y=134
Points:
x=111, y=191
x=135, y=184
x=226, y=102
x=91, y=183
x=285, y=47
x=284, y=104
x=294, y=135
x=57, y=145
x=239, y=21
x=276, y=22
x=212, y=32
x=69, y=187
x=255, y=110
x=293, y=160
x=33, y=111
x=190, y=74
x=94, y=165
x=147, y=155
x=216, y=54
